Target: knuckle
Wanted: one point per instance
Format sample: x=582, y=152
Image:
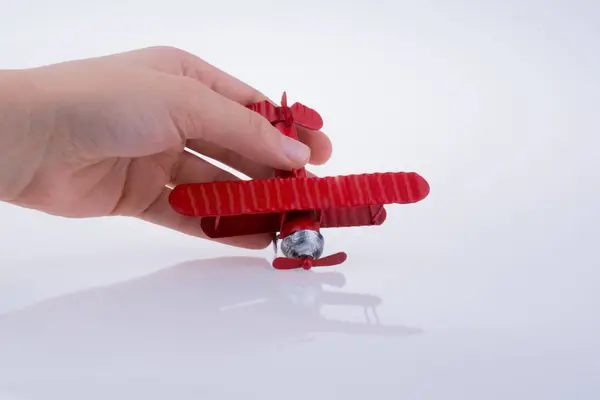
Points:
x=175, y=173
x=169, y=52
x=187, y=63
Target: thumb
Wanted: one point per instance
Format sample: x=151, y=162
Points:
x=200, y=113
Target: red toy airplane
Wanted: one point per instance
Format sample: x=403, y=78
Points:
x=294, y=204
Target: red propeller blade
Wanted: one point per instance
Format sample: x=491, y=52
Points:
x=287, y=263
x=307, y=263
x=328, y=261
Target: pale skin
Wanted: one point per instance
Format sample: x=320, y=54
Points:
x=107, y=136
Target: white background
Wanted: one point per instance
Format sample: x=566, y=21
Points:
x=488, y=288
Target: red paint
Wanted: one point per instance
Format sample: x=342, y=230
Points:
x=259, y=196
x=298, y=221
x=308, y=263
x=291, y=200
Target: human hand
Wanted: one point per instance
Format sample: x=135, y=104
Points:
x=104, y=136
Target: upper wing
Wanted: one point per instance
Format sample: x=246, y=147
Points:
x=266, y=109
x=306, y=117
x=275, y=195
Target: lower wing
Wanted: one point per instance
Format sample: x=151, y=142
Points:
x=240, y=225
x=353, y=216
x=252, y=224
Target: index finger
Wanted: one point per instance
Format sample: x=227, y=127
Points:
x=202, y=114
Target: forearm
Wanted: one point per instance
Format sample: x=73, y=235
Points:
x=22, y=138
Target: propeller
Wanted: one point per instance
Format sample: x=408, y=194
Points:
x=308, y=263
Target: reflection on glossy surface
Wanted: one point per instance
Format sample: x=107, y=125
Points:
x=195, y=315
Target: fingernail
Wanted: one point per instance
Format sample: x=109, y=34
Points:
x=295, y=150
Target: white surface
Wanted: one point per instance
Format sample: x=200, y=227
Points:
x=488, y=288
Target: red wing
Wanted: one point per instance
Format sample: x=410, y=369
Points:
x=353, y=216
x=275, y=195
x=306, y=117
x=252, y=224
x=240, y=225
x=266, y=109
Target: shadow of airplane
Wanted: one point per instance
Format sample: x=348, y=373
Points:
x=197, y=314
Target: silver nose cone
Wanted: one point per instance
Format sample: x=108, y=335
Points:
x=305, y=243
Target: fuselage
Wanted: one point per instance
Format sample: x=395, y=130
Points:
x=300, y=230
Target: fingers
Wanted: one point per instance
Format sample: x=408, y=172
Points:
x=200, y=113
x=193, y=169
x=236, y=161
x=178, y=62
x=319, y=144
x=244, y=94
x=249, y=168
